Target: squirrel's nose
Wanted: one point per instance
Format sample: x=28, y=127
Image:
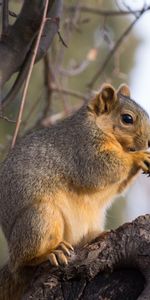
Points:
x=148, y=144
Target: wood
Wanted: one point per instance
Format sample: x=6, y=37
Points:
x=115, y=266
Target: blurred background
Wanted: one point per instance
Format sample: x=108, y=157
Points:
x=98, y=40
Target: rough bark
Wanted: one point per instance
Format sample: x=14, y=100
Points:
x=114, y=266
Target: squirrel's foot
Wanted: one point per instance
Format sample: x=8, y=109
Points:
x=60, y=255
x=143, y=160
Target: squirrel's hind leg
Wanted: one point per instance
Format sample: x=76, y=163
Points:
x=38, y=235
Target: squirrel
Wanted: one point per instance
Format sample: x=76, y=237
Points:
x=57, y=182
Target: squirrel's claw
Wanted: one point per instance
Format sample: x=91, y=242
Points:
x=59, y=256
x=53, y=260
x=66, y=247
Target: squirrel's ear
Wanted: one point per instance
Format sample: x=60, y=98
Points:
x=104, y=100
x=124, y=90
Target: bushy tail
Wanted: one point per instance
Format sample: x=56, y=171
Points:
x=12, y=287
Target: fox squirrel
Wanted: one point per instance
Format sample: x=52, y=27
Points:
x=56, y=184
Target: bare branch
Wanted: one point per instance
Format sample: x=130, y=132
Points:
x=48, y=79
x=5, y=13
x=62, y=40
x=14, y=46
x=51, y=27
x=12, y=14
x=70, y=93
x=90, y=57
x=18, y=82
x=101, y=12
x=57, y=83
x=47, y=119
x=17, y=43
x=116, y=46
x=29, y=73
x=5, y=118
x=23, y=60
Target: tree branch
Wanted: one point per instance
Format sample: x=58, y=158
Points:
x=70, y=93
x=15, y=47
x=29, y=72
x=124, y=256
x=116, y=46
x=51, y=28
x=101, y=12
x=5, y=17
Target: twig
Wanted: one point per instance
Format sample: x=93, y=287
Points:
x=105, y=13
x=116, y=46
x=135, y=13
x=61, y=39
x=77, y=69
x=70, y=93
x=56, y=20
x=51, y=87
x=70, y=25
x=12, y=14
x=90, y=57
x=7, y=119
x=59, y=87
x=48, y=79
x=29, y=74
x=46, y=40
x=49, y=120
x=5, y=14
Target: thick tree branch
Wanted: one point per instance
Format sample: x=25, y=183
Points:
x=14, y=47
x=51, y=28
x=18, y=82
x=125, y=251
x=43, y=22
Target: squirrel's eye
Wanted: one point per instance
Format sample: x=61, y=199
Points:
x=127, y=119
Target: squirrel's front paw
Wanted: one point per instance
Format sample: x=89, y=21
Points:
x=142, y=159
x=59, y=256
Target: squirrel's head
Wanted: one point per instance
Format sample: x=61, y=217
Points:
x=118, y=115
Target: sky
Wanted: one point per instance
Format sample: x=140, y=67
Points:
x=140, y=76
x=138, y=195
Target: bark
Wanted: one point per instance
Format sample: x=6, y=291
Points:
x=114, y=266
x=16, y=43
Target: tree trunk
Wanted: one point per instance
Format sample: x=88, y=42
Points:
x=115, y=266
